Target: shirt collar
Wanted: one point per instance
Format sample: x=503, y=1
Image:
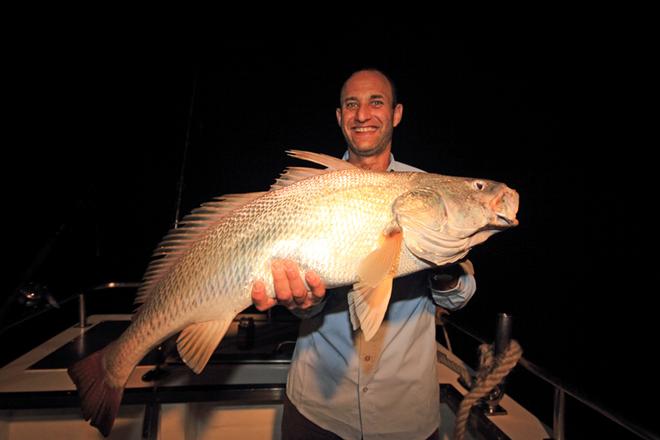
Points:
x=390, y=167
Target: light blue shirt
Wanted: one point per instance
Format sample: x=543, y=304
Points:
x=385, y=388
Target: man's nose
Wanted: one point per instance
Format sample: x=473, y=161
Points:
x=363, y=113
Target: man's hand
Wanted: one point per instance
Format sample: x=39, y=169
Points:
x=290, y=290
x=446, y=278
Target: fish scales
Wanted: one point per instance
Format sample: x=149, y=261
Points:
x=349, y=225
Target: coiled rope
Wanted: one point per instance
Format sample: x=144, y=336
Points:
x=492, y=370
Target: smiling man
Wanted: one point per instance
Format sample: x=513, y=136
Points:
x=340, y=385
x=367, y=117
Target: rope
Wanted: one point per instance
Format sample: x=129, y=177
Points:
x=492, y=370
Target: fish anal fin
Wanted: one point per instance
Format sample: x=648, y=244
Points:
x=197, y=342
x=368, y=300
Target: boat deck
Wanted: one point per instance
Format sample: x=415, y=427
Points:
x=237, y=396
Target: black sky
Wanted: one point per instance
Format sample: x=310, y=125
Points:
x=98, y=140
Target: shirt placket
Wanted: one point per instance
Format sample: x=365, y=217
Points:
x=369, y=353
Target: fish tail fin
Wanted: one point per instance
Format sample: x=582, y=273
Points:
x=99, y=400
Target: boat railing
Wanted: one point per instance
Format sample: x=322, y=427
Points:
x=82, y=311
x=561, y=390
x=80, y=297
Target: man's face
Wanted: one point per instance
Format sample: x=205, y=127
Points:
x=366, y=116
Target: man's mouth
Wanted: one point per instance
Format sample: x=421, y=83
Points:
x=364, y=129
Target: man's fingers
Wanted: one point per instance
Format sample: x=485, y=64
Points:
x=296, y=284
x=316, y=285
x=281, y=283
x=261, y=301
x=290, y=289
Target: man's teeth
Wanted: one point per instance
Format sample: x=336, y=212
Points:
x=364, y=129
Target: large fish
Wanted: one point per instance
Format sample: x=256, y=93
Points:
x=350, y=225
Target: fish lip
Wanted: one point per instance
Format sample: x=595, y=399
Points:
x=508, y=222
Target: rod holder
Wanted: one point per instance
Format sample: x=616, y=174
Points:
x=491, y=402
x=502, y=333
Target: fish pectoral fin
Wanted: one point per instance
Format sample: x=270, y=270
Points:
x=367, y=306
x=384, y=260
x=368, y=301
x=197, y=342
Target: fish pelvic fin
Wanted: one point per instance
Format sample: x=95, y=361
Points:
x=197, y=342
x=99, y=400
x=370, y=296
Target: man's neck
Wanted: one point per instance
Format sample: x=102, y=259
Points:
x=379, y=162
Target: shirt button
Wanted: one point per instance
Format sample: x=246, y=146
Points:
x=367, y=358
x=364, y=390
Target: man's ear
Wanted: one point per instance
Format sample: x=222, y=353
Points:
x=338, y=111
x=398, y=114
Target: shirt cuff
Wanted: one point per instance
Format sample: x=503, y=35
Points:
x=310, y=312
x=457, y=297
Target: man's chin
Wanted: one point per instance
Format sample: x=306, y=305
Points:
x=366, y=150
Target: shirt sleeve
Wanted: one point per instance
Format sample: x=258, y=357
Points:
x=457, y=297
x=310, y=312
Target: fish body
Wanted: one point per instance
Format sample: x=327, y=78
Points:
x=351, y=226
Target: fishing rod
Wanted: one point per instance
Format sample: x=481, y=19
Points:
x=186, y=146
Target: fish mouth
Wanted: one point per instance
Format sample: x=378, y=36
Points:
x=506, y=221
x=505, y=207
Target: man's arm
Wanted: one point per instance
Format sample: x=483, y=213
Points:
x=453, y=286
x=290, y=290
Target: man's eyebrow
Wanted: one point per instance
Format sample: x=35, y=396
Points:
x=354, y=98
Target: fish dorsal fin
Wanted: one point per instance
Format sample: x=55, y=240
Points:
x=191, y=228
x=368, y=301
x=331, y=163
x=197, y=342
x=295, y=174
x=422, y=215
x=200, y=220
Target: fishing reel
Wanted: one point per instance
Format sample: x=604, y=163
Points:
x=33, y=295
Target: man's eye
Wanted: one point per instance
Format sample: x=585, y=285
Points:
x=351, y=105
x=377, y=103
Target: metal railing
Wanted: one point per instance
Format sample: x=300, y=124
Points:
x=561, y=389
x=82, y=313
x=82, y=316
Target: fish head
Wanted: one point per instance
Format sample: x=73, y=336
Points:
x=476, y=205
x=443, y=217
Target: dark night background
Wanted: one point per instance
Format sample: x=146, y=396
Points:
x=97, y=141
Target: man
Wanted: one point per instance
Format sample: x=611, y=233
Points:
x=339, y=384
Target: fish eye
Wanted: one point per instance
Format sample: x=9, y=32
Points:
x=479, y=185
